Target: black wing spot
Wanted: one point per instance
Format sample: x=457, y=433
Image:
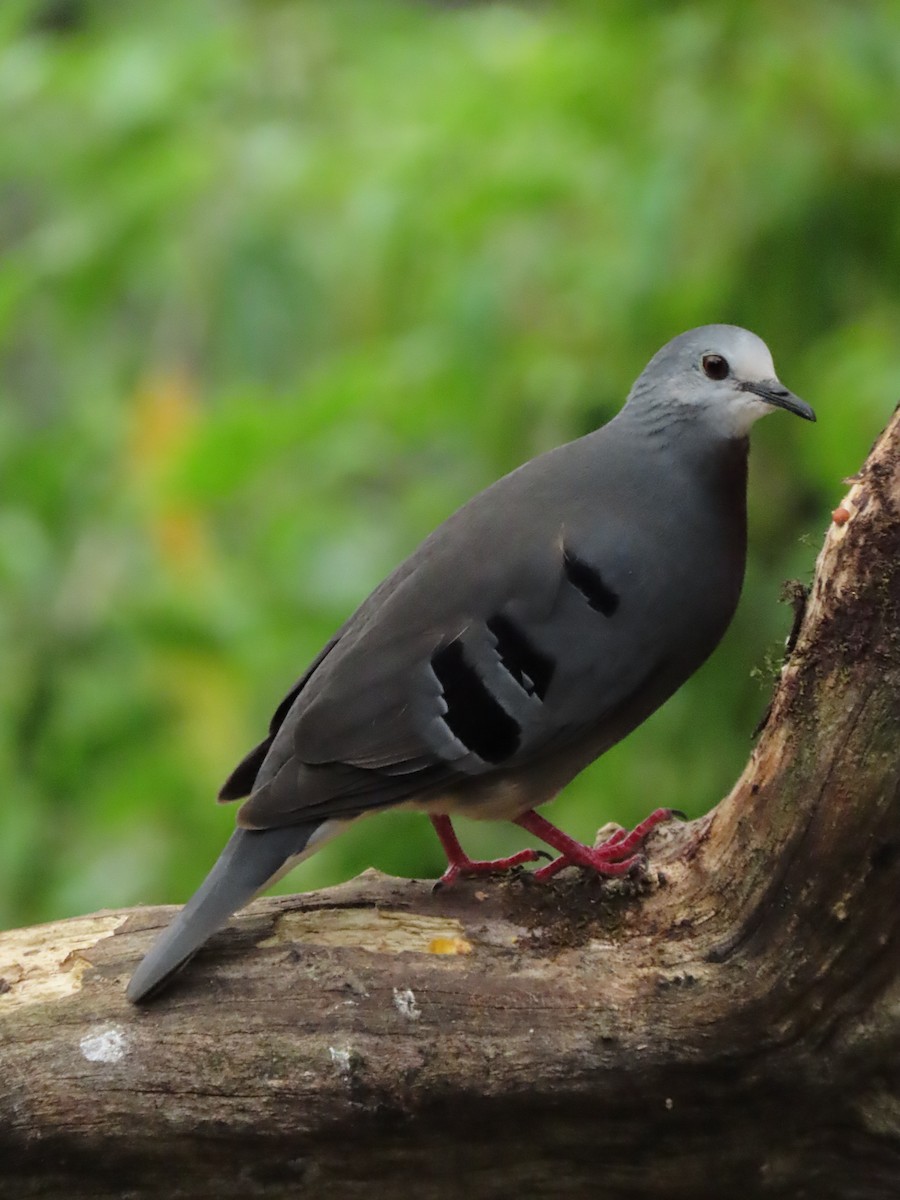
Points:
x=529, y=666
x=473, y=715
x=590, y=583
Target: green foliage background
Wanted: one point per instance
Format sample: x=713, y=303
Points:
x=282, y=284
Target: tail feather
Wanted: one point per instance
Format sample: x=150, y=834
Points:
x=251, y=859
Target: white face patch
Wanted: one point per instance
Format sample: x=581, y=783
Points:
x=737, y=415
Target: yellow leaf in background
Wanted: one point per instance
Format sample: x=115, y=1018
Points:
x=210, y=728
x=166, y=414
x=195, y=680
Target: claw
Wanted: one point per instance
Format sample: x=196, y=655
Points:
x=620, y=853
x=616, y=856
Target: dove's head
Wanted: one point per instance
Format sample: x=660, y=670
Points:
x=720, y=375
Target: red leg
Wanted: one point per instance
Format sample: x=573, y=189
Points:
x=616, y=856
x=461, y=865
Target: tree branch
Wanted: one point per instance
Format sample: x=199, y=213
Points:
x=730, y=1025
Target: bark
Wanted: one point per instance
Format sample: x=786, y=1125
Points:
x=727, y=1026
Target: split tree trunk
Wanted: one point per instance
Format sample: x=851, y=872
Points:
x=728, y=1027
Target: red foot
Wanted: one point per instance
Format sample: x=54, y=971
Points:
x=616, y=856
x=460, y=865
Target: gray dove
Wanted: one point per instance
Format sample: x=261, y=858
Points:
x=535, y=628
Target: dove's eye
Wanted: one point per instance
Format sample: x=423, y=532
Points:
x=715, y=366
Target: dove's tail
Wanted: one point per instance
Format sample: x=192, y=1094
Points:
x=252, y=859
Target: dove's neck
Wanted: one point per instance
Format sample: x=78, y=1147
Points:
x=680, y=432
x=691, y=454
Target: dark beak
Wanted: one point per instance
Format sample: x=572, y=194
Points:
x=777, y=394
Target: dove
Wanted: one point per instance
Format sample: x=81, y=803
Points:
x=531, y=631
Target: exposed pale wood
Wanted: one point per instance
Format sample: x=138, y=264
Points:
x=729, y=1026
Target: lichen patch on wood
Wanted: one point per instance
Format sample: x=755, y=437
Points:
x=105, y=1045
